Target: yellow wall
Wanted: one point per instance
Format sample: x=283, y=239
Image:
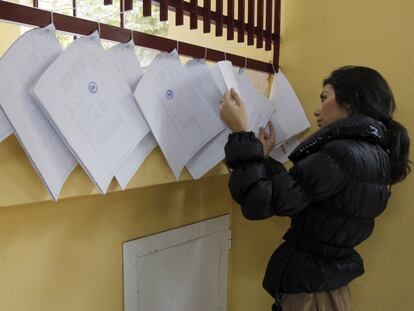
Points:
x=67, y=256
x=322, y=35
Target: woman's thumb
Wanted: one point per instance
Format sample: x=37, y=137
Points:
x=235, y=96
x=261, y=134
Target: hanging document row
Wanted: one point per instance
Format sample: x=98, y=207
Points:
x=96, y=108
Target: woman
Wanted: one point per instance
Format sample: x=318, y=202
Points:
x=339, y=183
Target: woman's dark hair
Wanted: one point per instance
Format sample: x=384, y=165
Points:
x=362, y=90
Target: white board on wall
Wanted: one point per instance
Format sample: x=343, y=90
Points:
x=184, y=269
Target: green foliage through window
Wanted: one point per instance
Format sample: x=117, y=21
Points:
x=95, y=10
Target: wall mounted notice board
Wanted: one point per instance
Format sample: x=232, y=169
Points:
x=184, y=269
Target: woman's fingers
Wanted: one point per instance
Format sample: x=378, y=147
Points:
x=233, y=113
x=235, y=96
x=271, y=129
x=262, y=134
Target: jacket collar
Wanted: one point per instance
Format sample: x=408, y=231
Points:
x=358, y=127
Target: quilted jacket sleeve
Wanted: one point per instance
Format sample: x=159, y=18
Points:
x=263, y=191
x=273, y=167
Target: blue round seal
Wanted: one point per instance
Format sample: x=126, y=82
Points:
x=93, y=87
x=169, y=94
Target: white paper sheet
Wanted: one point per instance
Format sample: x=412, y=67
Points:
x=259, y=110
x=180, y=119
x=277, y=121
x=213, y=152
x=223, y=74
x=281, y=152
x=20, y=67
x=289, y=113
x=208, y=156
x=5, y=128
x=124, y=58
x=258, y=107
x=92, y=107
x=134, y=161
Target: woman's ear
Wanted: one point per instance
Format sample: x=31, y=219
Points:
x=348, y=109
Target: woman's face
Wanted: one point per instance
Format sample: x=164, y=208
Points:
x=329, y=110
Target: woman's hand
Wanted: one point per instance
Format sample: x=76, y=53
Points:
x=268, y=140
x=233, y=112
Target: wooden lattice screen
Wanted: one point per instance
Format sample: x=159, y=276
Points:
x=267, y=16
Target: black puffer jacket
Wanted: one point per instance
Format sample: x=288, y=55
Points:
x=337, y=186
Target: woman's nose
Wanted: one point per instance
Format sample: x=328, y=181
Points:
x=317, y=112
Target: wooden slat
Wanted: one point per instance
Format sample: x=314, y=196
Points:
x=207, y=16
x=240, y=17
x=146, y=8
x=250, y=22
x=36, y=3
x=173, y=6
x=193, y=14
x=179, y=13
x=163, y=10
x=276, y=40
x=107, y=2
x=230, y=19
x=121, y=13
x=268, y=34
x=74, y=12
x=260, y=9
x=74, y=8
x=219, y=18
x=31, y=16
